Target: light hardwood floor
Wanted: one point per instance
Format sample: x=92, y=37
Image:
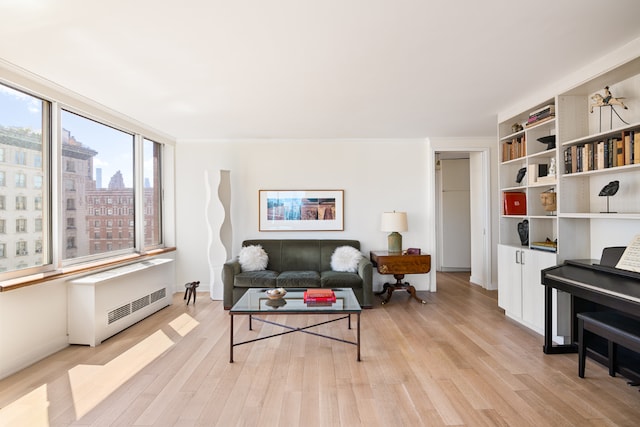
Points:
x=454, y=361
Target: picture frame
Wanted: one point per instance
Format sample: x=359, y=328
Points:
x=301, y=210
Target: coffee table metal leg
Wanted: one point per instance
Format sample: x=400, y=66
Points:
x=231, y=339
x=358, y=335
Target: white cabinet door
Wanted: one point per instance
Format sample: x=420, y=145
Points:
x=510, y=280
x=532, y=290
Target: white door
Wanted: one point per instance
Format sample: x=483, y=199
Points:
x=456, y=216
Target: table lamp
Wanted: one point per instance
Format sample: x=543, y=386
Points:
x=394, y=222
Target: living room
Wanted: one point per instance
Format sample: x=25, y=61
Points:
x=381, y=166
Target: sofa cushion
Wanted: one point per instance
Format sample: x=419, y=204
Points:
x=256, y=279
x=298, y=279
x=253, y=258
x=340, y=279
x=345, y=258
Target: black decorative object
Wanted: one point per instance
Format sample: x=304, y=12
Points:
x=609, y=190
x=523, y=232
x=549, y=140
x=190, y=290
x=521, y=173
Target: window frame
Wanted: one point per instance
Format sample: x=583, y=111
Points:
x=53, y=102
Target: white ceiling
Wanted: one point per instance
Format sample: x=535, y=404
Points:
x=311, y=68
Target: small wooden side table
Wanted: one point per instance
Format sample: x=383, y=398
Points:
x=400, y=264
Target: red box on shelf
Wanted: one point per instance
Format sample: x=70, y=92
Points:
x=515, y=203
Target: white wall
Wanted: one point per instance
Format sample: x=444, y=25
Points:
x=376, y=176
x=34, y=320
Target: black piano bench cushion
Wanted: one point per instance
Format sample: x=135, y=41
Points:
x=615, y=328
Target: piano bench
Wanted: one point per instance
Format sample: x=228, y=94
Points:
x=615, y=328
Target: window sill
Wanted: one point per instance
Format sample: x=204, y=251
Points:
x=36, y=279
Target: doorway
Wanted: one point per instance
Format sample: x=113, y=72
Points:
x=462, y=213
x=453, y=199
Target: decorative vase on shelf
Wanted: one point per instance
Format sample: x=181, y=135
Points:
x=548, y=200
x=549, y=140
x=523, y=232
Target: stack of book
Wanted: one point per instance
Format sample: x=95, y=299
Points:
x=319, y=296
x=547, y=245
x=543, y=114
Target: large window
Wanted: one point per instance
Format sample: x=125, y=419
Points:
x=99, y=159
x=105, y=175
x=24, y=135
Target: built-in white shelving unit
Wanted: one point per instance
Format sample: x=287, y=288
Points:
x=582, y=224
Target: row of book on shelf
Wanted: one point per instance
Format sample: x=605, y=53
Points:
x=604, y=154
x=514, y=148
x=319, y=296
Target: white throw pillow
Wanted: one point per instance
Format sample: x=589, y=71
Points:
x=345, y=258
x=253, y=258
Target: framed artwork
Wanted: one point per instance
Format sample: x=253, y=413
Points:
x=301, y=210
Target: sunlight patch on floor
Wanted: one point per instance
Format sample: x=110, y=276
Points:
x=91, y=386
x=184, y=324
x=30, y=410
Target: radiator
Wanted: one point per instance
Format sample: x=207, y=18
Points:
x=102, y=304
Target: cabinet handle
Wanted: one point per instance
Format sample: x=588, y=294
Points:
x=517, y=259
x=522, y=257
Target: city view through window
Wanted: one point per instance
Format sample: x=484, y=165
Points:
x=97, y=186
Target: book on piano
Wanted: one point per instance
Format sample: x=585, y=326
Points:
x=630, y=258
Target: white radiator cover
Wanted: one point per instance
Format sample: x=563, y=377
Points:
x=103, y=304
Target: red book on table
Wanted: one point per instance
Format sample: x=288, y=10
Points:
x=319, y=295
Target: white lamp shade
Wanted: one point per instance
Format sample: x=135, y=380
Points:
x=394, y=221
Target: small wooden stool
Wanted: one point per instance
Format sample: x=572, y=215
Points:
x=190, y=289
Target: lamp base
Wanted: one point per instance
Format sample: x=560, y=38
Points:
x=394, y=241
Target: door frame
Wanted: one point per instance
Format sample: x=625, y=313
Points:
x=486, y=208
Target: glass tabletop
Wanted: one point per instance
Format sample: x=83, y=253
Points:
x=257, y=301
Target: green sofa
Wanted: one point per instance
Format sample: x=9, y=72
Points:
x=297, y=264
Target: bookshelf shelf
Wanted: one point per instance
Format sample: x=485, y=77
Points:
x=547, y=154
x=512, y=136
x=612, y=170
x=601, y=135
x=600, y=215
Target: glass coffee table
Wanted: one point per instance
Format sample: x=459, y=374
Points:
x=257, y=306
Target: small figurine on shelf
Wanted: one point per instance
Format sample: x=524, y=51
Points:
x=552, y=167
x=516, y=127
x=607, y=100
